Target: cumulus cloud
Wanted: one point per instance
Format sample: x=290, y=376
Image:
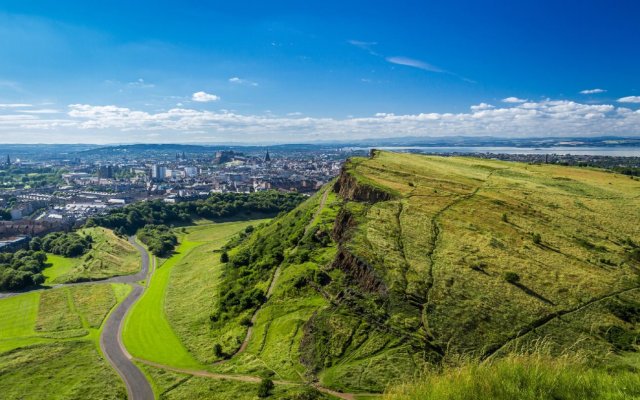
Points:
x=482, y=106
x=592, y=91
x=122, y=124
x=239, y=81
x=513, y=100
x=629, y=99
x=204, y=97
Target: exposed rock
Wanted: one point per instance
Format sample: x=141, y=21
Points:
x=360, y=271
x=348, y=187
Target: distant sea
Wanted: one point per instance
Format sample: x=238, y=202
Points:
x=595, y=151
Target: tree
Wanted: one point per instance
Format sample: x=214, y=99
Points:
x=217, y=350
x=264, y=390
x=224, y=257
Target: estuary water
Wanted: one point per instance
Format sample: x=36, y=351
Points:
x=595, y=151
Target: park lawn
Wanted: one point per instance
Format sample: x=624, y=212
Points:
x=147, y=333
x=60, y=267
x=69, y=313
x=109, y=256
x=63, y=370
x=192, y=286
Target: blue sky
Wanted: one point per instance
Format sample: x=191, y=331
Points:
x=290, y=71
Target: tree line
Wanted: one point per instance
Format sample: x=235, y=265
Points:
x=127, y=220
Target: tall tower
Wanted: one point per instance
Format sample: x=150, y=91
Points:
x=267, y=158
x=8, y=160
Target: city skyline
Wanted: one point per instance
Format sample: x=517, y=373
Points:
x=286, y=72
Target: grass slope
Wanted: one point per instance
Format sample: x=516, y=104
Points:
x=193, y=282
x=517, y=377
x=147, y=333
x=109, y=256
x=431, y=258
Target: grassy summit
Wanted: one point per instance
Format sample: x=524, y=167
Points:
x=409, y=261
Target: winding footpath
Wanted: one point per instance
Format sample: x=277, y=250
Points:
x=138, y=387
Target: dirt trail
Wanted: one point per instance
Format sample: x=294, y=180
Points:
x=272, y=285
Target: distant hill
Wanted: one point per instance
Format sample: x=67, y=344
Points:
x=408, y=260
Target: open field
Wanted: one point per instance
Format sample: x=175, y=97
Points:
x=190, y=293
x=63, y=370
x=67, y=313
x=109, y=256
x=147, y=333
x=48, y=343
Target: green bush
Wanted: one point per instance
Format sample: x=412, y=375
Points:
x=511, y=277
x=265, y=388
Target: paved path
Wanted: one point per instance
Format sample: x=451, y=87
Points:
x=138, y=388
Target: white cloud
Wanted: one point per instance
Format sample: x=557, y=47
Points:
x=140, y=83
x=15, y=105
x=203, y=97
x=40, y=111
x=410, y=62
x=592, y=91
x=111, y=123
x=240, y=81
x=513, y=100
x=481, y=106
x=629, y=99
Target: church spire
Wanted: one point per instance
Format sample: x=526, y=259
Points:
x=267, y=157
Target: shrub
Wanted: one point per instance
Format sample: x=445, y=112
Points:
x=224, y=257
x=511, y=277
x=264, y=390
x=537, y=239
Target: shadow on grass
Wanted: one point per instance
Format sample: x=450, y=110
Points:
x=532, y=293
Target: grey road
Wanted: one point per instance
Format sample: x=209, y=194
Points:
x=138, y=388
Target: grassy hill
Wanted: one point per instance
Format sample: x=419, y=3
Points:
x=409, y=261
x=109, y=256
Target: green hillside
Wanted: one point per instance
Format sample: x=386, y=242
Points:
x=409, y=261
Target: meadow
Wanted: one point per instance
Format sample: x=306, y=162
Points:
x=168, y=325
x=49, y=343
x=109, y=256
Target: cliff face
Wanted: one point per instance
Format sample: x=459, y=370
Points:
x=348, y=187
x=360, y=271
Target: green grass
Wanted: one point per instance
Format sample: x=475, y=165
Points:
x=64, y=370
x=69, y=313
x=147, y=333
x=109, y=256
x=18, y=315
x=420, y=278
x=174, y=386
x=49, y=343
x=60, y=267
x=524, y=378
x=190, y=293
